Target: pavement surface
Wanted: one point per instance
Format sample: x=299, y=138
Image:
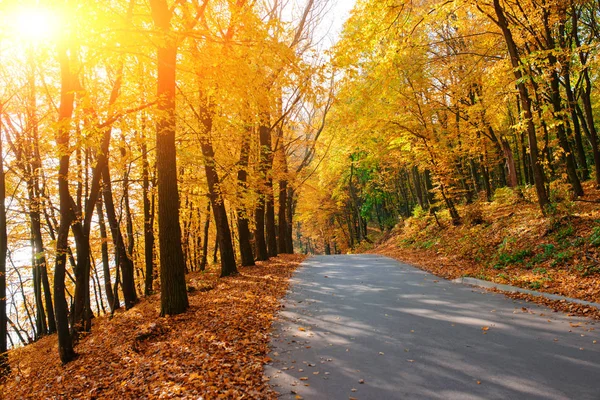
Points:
x=367, y=327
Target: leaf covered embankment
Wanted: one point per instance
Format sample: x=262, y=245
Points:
x=507, y=241
x=216, y=349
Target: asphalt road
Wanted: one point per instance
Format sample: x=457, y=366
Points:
x=368, y=327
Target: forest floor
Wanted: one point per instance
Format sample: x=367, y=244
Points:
x=508, y=241
x=215, y=350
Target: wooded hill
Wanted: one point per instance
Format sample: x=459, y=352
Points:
x=442, y=104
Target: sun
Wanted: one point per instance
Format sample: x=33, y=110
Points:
x=35, y=23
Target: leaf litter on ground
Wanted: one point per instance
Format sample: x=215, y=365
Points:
x=216, y=350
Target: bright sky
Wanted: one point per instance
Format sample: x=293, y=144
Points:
x=332, y=24
x=340, y=11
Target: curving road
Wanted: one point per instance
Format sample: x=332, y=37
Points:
x=368, y=327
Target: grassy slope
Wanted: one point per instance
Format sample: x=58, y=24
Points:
x=508, y=241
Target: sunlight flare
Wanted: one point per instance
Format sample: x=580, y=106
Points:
x=35, y=23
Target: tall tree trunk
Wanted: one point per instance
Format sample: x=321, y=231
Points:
x=4, y=366
x=282, y=215
x=228, y=266
x=148, y=220
x=173, y=294
x=113, y=302
x=67, y=99
x=270, y=230
x=289, y=212
x=264, y=134
x=128, y=217
x=556, y=101
x=82, y=312
x=538, y=173
x=247, y=258
x=123, y=260
x=586, y=98
x=205, y=244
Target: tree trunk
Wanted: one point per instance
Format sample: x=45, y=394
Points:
x=271, y=235
x=205, y=244
x=290, y=207
x=125, y=263
x=247, y=258
x=148, y=221
x=586, y=99
x=67, y=99
x=4, y=365
x=173, y=294
x=556, y=101
x=538, y=173
x=228, y=266
x=112, y=301
x=265, y=147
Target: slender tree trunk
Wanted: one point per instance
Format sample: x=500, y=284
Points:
x=556, y=101
x=247, y=258
x=581, y=158
x=81, y=314
x=538, y=173
x=289, y=212
x=148, y=221
x=264, y=134
x=271, y=235
x=205, y=244
x=128, y=217
x=510, y=164
x=173, y=293
x=67, y=99
x=123, y=260
x=586, y=99
x=4, y=366
x=112, y=302
x=228, y=266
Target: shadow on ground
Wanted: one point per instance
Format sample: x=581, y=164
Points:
x=406, y=334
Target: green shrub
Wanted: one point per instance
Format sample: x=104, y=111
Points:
x=562, y=257
x=565, y=232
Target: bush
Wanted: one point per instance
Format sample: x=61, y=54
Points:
x=474, y=214
x=506, y=196
x=419, y=213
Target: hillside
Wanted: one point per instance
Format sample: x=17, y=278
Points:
x=217, y=349
x=508, y=241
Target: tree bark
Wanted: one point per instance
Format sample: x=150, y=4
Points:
x=173, y=295
x=148, y=221
x=4, y=365
x=67, y=99
x=264, y=142
x=228, y=266
x=205, y=244
x=126, y=264
x=247, y=258
x=538, y=173
x=113, y=302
